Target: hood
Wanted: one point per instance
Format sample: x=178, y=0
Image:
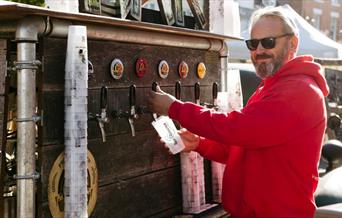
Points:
x=304, y=65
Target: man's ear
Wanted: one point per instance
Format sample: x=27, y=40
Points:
x=294, y=44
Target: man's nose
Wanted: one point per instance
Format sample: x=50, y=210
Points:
x=260, y=48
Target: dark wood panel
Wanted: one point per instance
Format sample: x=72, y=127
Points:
x=118, y=100
x=120, y=157
x=137, y=175
x=144, y=196
x=102, y=53
x=3, y=70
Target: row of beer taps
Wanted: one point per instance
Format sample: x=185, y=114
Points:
x=135, y=111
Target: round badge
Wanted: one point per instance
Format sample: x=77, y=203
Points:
x=141, y=67
x=201, y=70
x=56, y=188
x=163, y=69
x=183, y=69
x=116, y=69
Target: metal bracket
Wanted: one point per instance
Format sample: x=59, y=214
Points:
x=20, y=65
x=34, y=118
x=35, y=175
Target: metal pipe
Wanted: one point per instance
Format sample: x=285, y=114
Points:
x=157, y=38
x=26, y=37
x=224, y=67
x=139, y=36
x=59, y=28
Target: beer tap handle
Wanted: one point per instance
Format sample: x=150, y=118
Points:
x=197, y=93
x=103, y=100
x=103, y=116
x=178, y=90
x=132, y=99
x=132, y=115
x=215, y=91
x=154, y=88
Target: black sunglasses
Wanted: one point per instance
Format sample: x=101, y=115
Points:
x=268, y=43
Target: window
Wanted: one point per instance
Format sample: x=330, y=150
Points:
x=335, y=2
x=316, y=19
x=334, y=25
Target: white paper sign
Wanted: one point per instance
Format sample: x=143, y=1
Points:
x=168, y=133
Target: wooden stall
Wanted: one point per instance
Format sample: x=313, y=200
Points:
x=132, y=176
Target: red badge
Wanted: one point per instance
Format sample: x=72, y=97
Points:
x=183, y=69
x=141, y=67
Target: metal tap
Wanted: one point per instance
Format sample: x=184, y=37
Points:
x=102, y=118
x=133, y=110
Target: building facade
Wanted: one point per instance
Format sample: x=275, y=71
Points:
x=322, y=14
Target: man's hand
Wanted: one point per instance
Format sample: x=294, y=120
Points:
x=190, y=140
x=159, y=101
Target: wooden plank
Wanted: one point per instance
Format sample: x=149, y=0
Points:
x=145, y=196
x=142, y=196
x=121, y=157
x=118, y=100
x=102, y=53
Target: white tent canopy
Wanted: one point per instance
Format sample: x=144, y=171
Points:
x=311, y=41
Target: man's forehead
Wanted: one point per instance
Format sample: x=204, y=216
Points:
x=267, y=25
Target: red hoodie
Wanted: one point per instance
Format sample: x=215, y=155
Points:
x=271, y=147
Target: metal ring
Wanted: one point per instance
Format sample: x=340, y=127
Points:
x=20, y=65
x=35, y=175
x=34, y=118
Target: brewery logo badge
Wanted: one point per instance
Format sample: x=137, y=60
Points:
x=116, y=68
x=163, y=69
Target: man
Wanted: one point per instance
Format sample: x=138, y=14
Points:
x=271, y=147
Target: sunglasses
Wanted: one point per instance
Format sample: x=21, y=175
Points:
x=268, y=43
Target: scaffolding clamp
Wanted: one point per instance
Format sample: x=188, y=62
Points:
x=35, y=118
x=20, y=65
x=34, y=176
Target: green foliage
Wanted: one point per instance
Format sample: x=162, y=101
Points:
x=30, y=2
